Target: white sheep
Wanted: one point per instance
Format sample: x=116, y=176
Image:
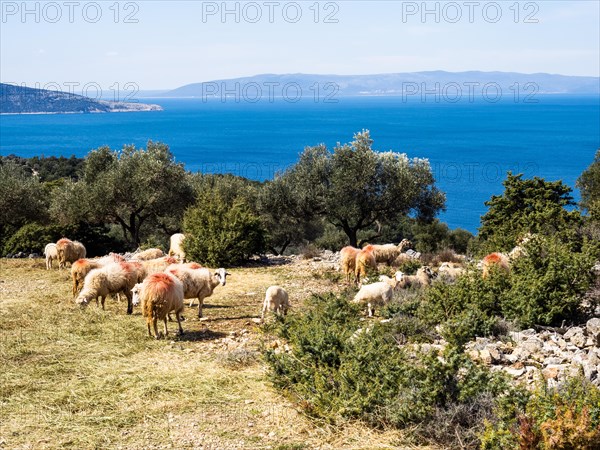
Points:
x=388, y=253
x=176, y=247
x=375, y=294
x=276, y=300
x=51, y=254
x=158, y=264
x=111, y=279
x=423, y=277
x=450, y=271
x=160, y=294
x=151, y=253
x=198, y=283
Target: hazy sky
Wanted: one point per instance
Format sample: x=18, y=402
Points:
x=159, y=44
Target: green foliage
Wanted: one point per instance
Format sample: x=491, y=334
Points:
x=341, y=373
x=589, y=185
x=561, y=418
x=137, y=189
x=33, y=237
x=221, y=231
x=49, y=168
x=355, y=188
x=527, y=206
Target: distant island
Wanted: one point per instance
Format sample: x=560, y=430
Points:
x=393, y=84
x=24, y=100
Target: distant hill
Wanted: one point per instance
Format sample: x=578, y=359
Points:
x=393, y=84
x=24, y=100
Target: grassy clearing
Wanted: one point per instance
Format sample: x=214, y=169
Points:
x=89, y=378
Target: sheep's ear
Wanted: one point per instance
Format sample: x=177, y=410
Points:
x=228, y=274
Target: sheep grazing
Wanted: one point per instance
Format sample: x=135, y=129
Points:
x=422, y=278
x=198, y=283
x=276, y=300
x=450, y=271
x=158, y=264
x=348, y=261
x=376, y=294
x=160, y=294
x=51, y=254
x=500, y=261
x=111, y=279
x=176, y=247
x=364, y=260
x=69, y=251
x=151, y=253
x=388, y=253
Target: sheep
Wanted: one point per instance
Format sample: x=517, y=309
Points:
x=158, y=264
x=51, y=254
x=198, y=283
x=69, y=251
x=110, y=258
x=151, y=253
x=450, y=271
x=422, y=278
x=364, y=260
x=113, y=278
x=160, y=294
x=388, y=253
x=375, y=294
x=276, y=300
x=176, y=247
x=80, y=269
x=497, y=260
x=398, y=276
x=348, y=261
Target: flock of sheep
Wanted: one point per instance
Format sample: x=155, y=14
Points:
x=160, y=282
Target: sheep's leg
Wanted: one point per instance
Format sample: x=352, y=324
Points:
x=154, y=324
x=166, y=330
x=191, y=303
x=200, y=302
x=102, y=300
x=262, y=316
x=129, y=301
x=178, y=315
x=370, y=309
x=149, y=332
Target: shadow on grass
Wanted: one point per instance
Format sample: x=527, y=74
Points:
x=201, y=335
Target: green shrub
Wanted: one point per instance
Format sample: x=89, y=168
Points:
x=338, y=372
x=221, y=233
x=560, y=418
x=33, y=237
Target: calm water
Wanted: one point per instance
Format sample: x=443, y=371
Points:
x=470, y=145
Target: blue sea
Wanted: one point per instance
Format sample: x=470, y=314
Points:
x=471, y=145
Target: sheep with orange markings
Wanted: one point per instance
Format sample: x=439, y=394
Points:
x=159, y=294
x=69, y=251
x=112, y=279
x=365, y=261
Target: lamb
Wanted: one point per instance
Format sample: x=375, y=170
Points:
x=69, y=251
x=348, y=261
x=198, y=283
x=160, y=294
x=112, y=279
x=422, y=278
x=151, y=253
x=388, y=253
x=176, y=248
x=375, y=294
x=276, y=300
x=158, y=264
x=364, y=260
x=51, y=254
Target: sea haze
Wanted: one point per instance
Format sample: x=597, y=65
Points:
x=471, y=145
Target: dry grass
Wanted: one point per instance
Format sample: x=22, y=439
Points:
x=82, y=379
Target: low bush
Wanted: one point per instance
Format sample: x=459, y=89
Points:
x=338, y=371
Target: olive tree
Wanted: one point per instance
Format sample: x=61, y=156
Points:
x=355, y=188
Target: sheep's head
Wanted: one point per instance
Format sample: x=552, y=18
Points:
x=404, y=244
x=221, y=274
x=83, y=299
x=135, y=299
x=427, y=271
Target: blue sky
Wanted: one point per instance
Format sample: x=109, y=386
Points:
x=176, y=43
